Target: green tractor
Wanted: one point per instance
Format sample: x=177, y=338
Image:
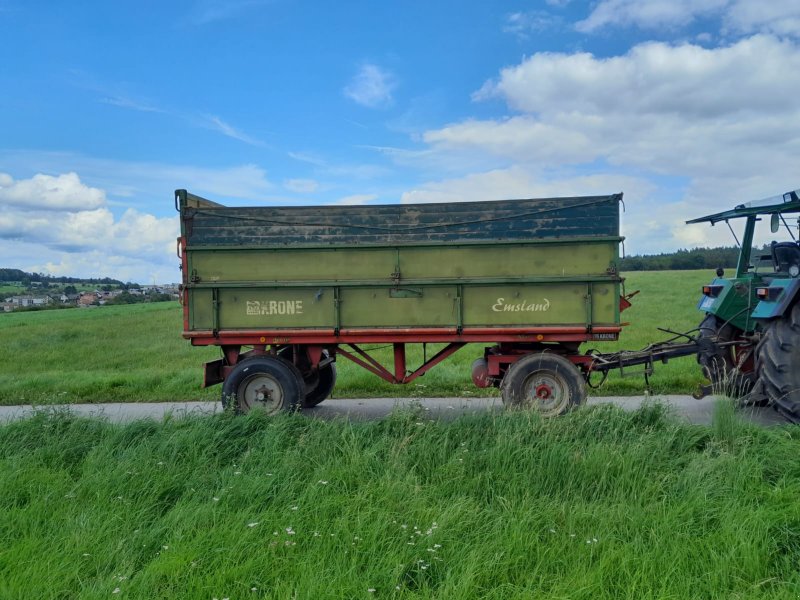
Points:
x=750, y=336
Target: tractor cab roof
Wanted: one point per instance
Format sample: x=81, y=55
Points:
x=789, y=202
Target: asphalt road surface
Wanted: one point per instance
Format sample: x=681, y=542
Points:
x=685, y=407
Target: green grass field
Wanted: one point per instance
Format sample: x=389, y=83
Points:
x=598, y=504
x=136, y=353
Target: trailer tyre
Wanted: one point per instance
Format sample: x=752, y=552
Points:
x=318, y=384
x=320, y=387
x=778, y=360
x=271, y=383
x=547, y=383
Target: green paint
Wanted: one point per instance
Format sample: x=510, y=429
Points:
x=550, y=269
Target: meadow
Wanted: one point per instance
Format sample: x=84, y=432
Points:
x=136, y=353
x=599, y=504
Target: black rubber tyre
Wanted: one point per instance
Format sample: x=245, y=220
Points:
x=545, y=382
x=320, y=387
x=778, y=356
x=318, y=384
x=719, y=364
x=270, y=382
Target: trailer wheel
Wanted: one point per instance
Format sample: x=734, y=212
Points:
x=719, y=364
x=320, y=387
x=317, y=385
x=778, y=360
x=547, y=383
x=269, y=382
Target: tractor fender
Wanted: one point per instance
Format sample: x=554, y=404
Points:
x=781, y=294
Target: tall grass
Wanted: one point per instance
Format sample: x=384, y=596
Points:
x=136, y=353
x=599, y=504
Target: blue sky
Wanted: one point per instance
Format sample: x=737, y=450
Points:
x=685, y=106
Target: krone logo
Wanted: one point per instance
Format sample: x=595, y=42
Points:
x=274, y=307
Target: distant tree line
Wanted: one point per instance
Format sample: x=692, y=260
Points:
x=128, y=298
x=27, y=278
x=681, y=260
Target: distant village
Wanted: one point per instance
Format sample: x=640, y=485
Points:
x=35, y=297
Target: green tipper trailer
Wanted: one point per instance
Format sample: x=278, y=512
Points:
x=285, y=291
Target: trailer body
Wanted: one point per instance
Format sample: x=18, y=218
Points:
x=524, y=275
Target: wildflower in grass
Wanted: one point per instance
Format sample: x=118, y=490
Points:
x=290, y=531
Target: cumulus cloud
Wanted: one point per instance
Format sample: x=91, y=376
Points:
x=59, y=216
x=521, y=182
x=737, y=16
x=47, y=192
x=718, y=125
x=679, y=110
x=372, y=87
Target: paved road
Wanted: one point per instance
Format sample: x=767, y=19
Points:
x=686, y=407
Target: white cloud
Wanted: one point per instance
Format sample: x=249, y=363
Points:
x=709, y=127
x=61, y=222
x=678, y=110
x=648, y=13
x=62, y=192
x=738, y=16
x=147, y=183
x=356, y=199
x=372, y=87
x=523, y=24
x=521, y=182
x=781, y=17
x=215, y=123
x=301, y=186
x=656, y=79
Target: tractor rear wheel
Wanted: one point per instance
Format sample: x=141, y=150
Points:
x=779, y=363
x=720, y=364
x=545, y=382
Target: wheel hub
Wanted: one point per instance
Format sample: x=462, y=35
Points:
x=261, y=389
x=547, y=392
x=263, y=393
